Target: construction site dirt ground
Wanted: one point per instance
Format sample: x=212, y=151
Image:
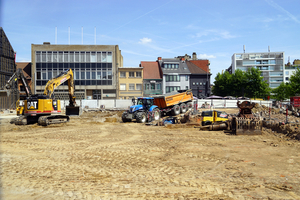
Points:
x=96, y=156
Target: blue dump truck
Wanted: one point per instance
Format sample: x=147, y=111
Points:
x=151, y=108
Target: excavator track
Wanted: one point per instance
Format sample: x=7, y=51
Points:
x=22, y=120
x=53, y=119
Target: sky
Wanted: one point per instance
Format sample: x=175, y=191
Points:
x=146, y=30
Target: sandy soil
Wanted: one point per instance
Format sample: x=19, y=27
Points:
x=96, y=156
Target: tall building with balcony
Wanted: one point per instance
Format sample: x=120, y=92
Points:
x=95, y=69
x=271, y=65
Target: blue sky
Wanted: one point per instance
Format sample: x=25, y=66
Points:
x=145, y=30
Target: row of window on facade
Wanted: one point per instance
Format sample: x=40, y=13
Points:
x=100, y=74
x=73, y=66
x=73, y=56
x=131, y=86
x=170, y=66
x=175, y=78
x=131, y=74
x=257, y=56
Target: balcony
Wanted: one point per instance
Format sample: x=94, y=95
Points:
x=152, y=92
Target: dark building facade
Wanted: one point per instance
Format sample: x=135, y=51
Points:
x=7, y=69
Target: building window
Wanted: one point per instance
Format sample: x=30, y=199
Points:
x=200, y=83
x=158, y=86
x=138, y=86
x=122, y=86
x=172, y=88
x=186, y=77
x=139, y=74
x=131, y=74
x=286, y=72
x=197, y=83
x=172, y=78
x=193, y=83
x=286, y=78
x=38, y=75
x=186, y=87
x=131, y=86
x=122, y=74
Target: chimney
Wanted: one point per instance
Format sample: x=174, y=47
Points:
x=182, y=59
x=159, y=58
x=46, y=43
x=194, y=56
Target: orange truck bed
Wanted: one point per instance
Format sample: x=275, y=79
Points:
x=163, y=101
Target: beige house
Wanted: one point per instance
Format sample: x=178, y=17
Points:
x=130, y=82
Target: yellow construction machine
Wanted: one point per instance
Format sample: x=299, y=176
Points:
x=45, y=109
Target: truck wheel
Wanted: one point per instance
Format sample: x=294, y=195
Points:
x=183, y=108
x=141, y=117
x=189, y=105
x=175, y=110
x=156, y=114
x=124, y=119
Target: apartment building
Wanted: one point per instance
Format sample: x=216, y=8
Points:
x=95, y=69
x=176, y=74
x=271, y=65
x=130, y=82
x=152, y=81
x=290, y=69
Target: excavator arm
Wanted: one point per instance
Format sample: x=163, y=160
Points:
x=52, y=84
x=18, y=75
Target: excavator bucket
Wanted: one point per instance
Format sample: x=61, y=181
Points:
x=246, y=126
x=4, y=93
x=72, y=110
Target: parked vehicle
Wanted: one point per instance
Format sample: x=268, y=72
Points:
x=151, y=108
x=210, y=117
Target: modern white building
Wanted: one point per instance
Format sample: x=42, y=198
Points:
x=271, y=65
x=290, y=69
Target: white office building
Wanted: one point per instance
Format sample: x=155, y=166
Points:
x=271, y=65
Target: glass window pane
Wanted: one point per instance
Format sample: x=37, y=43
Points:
x=88, y=57
x=88, y=75
x=109, y=57
x=44, y=56
x=60, y=56
x=38, y=56
x=71, y=56
x=93, y=75
x=55, y=57
x=93, y=56
x=104, y=76
x=109, y=75
x=82, y=75
x=98, y=75
x=82, y=56
x=66, y=56
x=98, y=57
x=49, y=75
x=49, y=56
x=103, y=57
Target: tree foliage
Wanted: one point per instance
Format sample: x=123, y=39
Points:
x=249, y=84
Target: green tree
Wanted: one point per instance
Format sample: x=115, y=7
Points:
x=239, y=83
x=222, y=84
x=295, y=83
x=282, y=92
x=256, y=87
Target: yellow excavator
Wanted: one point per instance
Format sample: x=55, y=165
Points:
x=45, y=109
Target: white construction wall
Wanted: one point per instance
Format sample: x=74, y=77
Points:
x=124, y=104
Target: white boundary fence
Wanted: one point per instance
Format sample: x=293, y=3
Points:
x=124, y=104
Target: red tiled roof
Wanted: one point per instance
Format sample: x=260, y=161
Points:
x=194, y=69
x=152, y=70
x=203, y=64
x=26, y=67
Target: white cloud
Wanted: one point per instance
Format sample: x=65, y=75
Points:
x=205, y=56
x=145, y=40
